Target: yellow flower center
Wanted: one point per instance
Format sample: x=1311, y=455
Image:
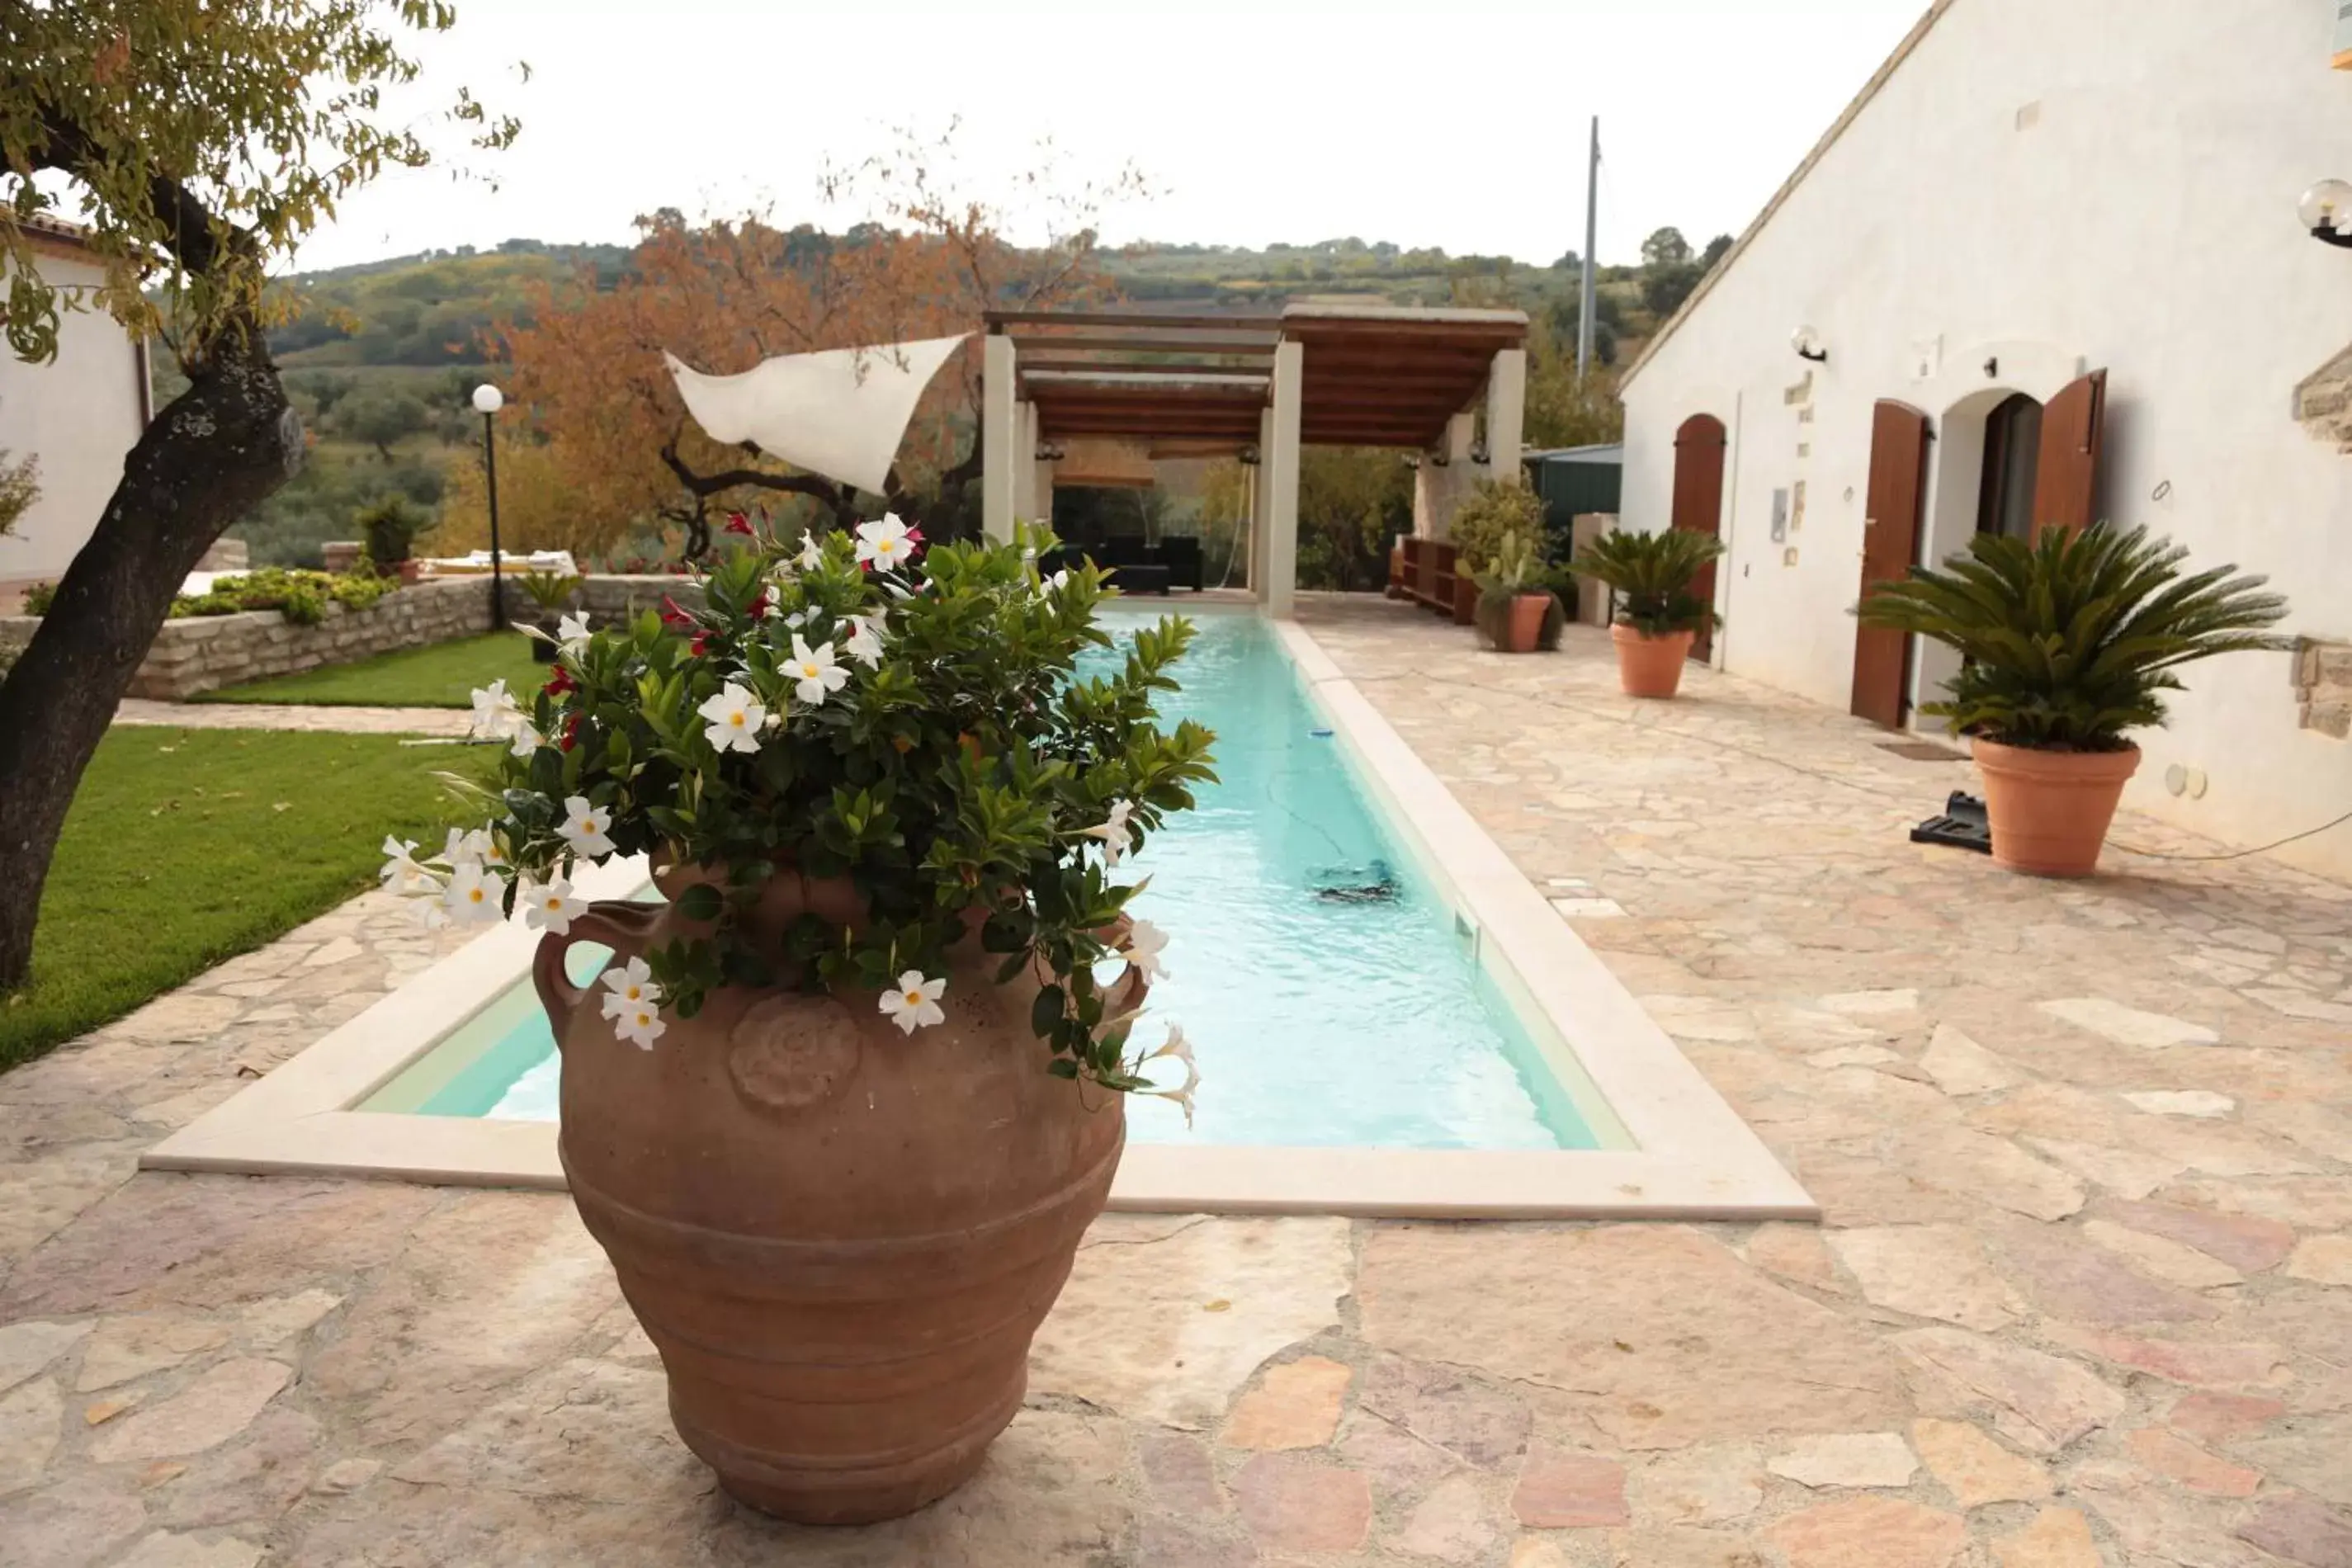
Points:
x=632, y=993
x=914, y=999
x=474, y=894
x=736, y=720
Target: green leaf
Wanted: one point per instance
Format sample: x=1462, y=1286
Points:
x=700, y=903
x=1045, y=1012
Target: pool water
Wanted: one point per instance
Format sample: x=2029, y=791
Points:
x=1329, y=995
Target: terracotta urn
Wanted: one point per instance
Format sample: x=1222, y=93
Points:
x=1525, y=625
x=2050, y=810
x=841, y=1238
x=1650, y=666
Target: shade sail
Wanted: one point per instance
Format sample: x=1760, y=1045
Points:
x=838, y=412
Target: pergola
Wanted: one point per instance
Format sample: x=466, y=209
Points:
x=1257, y=386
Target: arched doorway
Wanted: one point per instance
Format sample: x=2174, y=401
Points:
x=1699, y=446
x=2012, y=451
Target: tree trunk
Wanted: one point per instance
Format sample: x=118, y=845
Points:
x=206, y=460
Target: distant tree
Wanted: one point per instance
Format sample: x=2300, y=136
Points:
x=1570, y=261
x=1716, y=248
x=19, y=488
x=1664, y=288
x=203, y=140
x=1665, y=247
x=1352, y=501
x=1562, y=411
x=379, y=418
x=722, y=296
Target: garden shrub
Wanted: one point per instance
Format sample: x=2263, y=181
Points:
x=302, y=596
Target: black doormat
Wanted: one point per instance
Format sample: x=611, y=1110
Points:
x=1963, y=826
x=1923, y=751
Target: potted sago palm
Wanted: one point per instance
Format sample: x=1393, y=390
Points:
x=1657, y=613
x=840, y=1107
x=2068, y=642
x=552, y=591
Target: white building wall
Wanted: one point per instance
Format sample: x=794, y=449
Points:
x=2103, y=183
x=80, y=414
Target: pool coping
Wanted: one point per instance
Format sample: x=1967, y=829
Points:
x=1694, y=1157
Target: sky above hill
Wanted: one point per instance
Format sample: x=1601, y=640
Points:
x=1461, y=126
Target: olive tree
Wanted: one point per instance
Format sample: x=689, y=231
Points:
x=197, y=141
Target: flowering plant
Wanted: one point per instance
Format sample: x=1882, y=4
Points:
x=909, y=719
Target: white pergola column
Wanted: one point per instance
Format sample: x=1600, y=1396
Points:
x=1279, y=459
x=1507, y=412
x=1024, y=462
x=1260, y=505
x=1438, y=488
x=1001, y=427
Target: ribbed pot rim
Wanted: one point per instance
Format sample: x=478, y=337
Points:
x=2035, y=761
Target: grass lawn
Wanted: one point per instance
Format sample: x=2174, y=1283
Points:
x=186, y=847
x=441, y=676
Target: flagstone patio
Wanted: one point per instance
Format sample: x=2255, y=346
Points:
x=2083, y=1294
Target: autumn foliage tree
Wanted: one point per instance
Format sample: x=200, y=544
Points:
x=588, y=372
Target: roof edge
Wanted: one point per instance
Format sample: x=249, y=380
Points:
x=1870, y=89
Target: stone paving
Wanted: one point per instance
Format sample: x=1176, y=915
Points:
x=2083, y=1297
x=444, y=722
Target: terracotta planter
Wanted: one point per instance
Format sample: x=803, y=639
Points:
x=2050, y=810
x=840, y=1238
x=411, y=571
x=544, y=649
x=1525, y=625
x=1466, y=600
x=1648, y=665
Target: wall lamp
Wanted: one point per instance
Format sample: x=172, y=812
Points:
x=1248, y=456
x=2326, y=210
x=1479, y=453
x=1808, y=344
x=1049, y=452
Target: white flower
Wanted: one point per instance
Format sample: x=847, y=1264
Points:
x=735, y=716
x=885, y=544
x=472, y=895
x=550, y=906
x=472, y=848
x=527, y=738
x=401, y=876
x=814, y=671
x=629, y=986
x=494, y=714
x=1114, y=832
x=865, y=643
x=430, y=913
x=587, y=828
x=640, y=1024
x=572, y=630
x=798, y=618
x=771, y=599
x=812, y=554
x=1144, y=941
x=915, y=1002
x=1179, y=1048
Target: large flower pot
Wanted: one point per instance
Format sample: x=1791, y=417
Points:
x=1648, y=665
x=2050, y=810
x=839, y=1237
x=1525, y=624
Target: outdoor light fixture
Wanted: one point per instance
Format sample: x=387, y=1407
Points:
x=1808, y=344
x=488, y=401
x=1479, y=453
x=1049, y=452
x=1249, y=457
x=2326, y=210
x=1413, y=460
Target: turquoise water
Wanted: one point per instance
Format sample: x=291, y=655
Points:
x=1325, y=988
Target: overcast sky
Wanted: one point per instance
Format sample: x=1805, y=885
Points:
x=1455, y=125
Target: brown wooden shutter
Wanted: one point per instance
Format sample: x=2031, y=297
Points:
x=2067, y=475
x=1890, y=544
x=1698, y=502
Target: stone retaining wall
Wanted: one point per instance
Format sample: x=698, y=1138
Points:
x=204, y=653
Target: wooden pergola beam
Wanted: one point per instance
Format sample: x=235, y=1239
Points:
x=1146, y=319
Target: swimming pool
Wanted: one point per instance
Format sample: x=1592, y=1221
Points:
x=1332, y=996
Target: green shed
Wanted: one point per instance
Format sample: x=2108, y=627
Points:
x=1575, y=479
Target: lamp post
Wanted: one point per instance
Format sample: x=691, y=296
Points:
x=488, y=401
x=2326, y=210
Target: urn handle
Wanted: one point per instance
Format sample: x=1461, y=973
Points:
x=617, y=923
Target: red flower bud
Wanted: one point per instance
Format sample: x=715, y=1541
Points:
x=701, y=644
x=570, y=732
x=561, y=682
x=738, y=523
x=672, y=616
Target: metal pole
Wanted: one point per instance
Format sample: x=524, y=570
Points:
x=490, y=464
x=1591, y=224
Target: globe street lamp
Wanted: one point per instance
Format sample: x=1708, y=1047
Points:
x=488, y=401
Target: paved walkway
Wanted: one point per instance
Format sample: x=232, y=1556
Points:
x=442, y=721
x=2084, y=1296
